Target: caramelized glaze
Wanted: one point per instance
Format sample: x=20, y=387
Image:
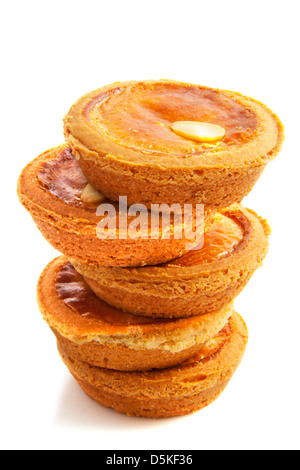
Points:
x=140, y=117
x=220, y=240
x=63, y=178
x=76, y=294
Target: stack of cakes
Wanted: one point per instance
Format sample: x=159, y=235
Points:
x=144, y=313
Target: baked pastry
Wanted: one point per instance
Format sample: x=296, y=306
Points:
x=51, y=188
x=168, y=392
x=91, y=331
x=127, y=142
x=199, y=282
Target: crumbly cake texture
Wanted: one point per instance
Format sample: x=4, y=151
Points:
x=175, y=391
x=70, y=225
x=121, y=135
x=178, y=290
x=91, y=331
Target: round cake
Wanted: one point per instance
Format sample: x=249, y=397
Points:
x=53, y=189
x=175, y=391
x=128, y=140
x=200, y=281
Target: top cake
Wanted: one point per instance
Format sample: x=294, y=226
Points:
x=170, y=142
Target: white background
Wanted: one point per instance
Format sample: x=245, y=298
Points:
x=53, y=53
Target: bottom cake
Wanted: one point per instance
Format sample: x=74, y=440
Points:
x=169, y=392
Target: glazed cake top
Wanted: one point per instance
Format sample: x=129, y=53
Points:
x=221, y=239
x=133, y=122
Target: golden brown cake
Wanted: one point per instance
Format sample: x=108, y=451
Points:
x=124, y=137
x=143, y=202
x=51, y=188
x=199, y=282
x=91, y=331
x=168, y=392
